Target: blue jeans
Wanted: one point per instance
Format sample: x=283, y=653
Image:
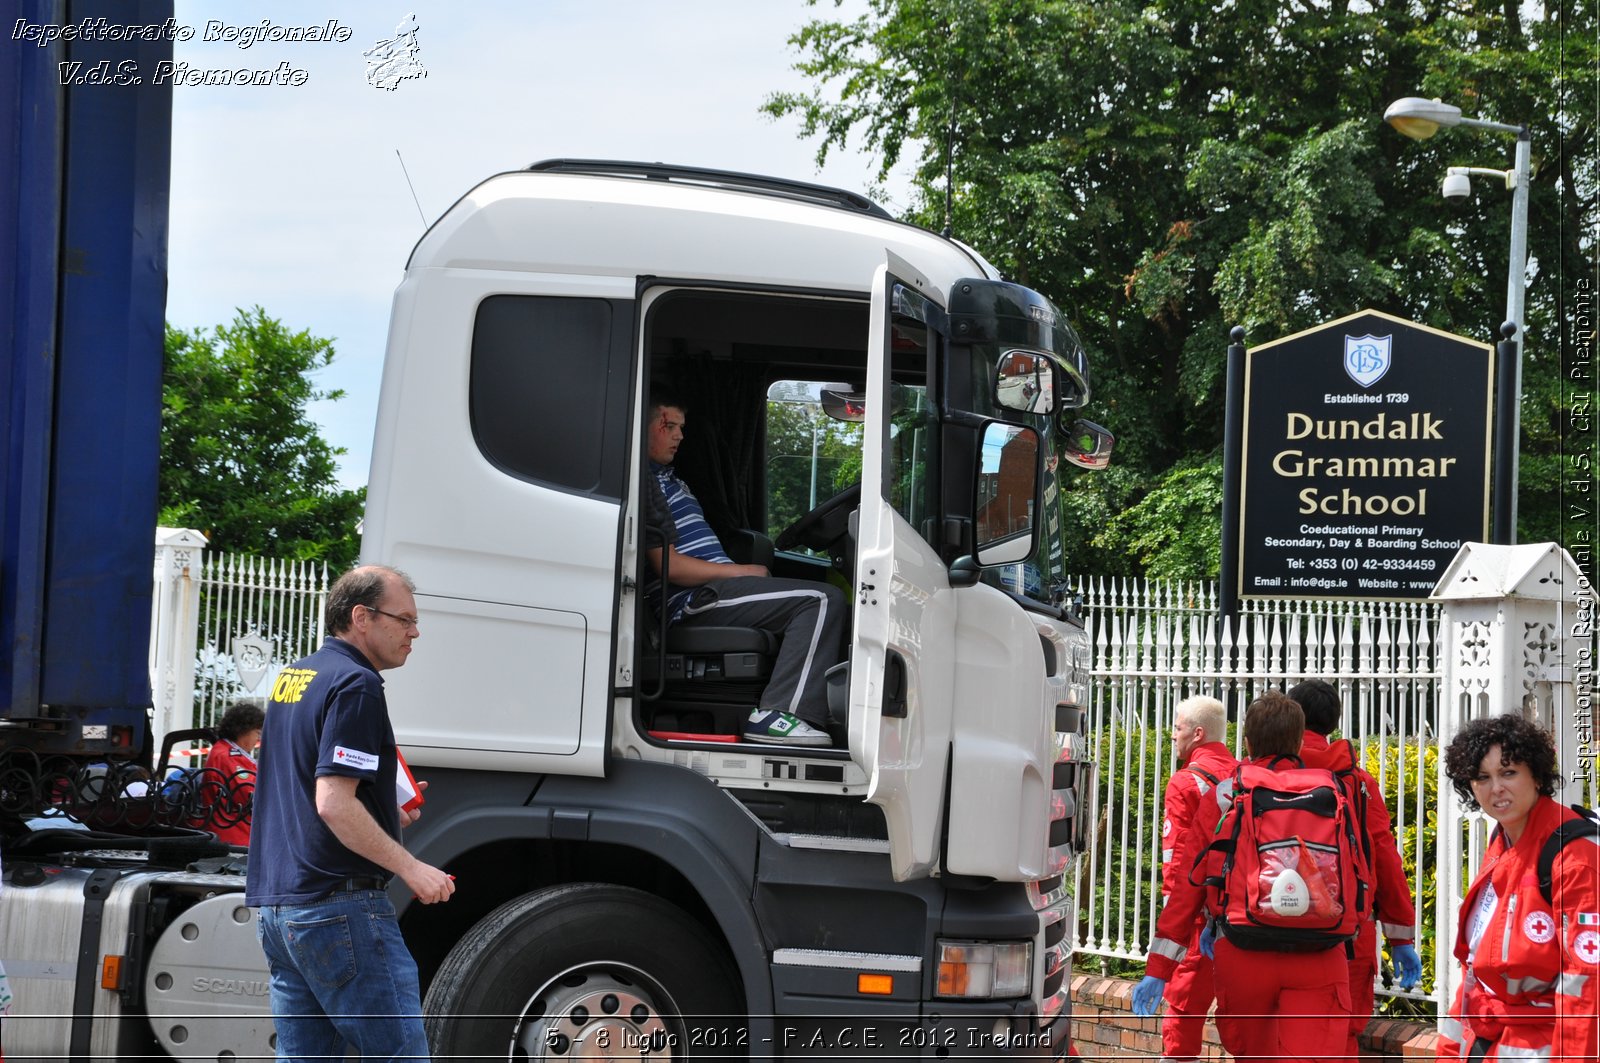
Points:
x=341, y=974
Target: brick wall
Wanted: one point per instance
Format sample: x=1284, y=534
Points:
x=1104, y=1027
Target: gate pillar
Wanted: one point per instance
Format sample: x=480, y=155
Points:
x=1517, y=629
x=175, y=624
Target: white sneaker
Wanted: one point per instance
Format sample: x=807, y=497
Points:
x=784, y=729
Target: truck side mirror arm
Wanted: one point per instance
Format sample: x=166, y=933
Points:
x=965, y=571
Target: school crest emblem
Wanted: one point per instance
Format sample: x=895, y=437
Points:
x=1366, y=358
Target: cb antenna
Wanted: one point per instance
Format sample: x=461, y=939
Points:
x=949, y=169
x=420, y=216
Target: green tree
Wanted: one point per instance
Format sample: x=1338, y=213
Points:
x=1166, y=169
x=240, y=460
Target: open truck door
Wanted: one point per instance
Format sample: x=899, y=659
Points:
x=900, y=700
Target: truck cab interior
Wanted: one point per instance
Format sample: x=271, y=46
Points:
x=976, y=439
x=777, y=477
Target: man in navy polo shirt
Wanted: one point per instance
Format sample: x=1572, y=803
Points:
x=326, y=836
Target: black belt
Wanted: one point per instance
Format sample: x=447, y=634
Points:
x=361, y=882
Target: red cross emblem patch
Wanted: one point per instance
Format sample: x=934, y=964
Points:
x=1539, y=927
x=1586, y=946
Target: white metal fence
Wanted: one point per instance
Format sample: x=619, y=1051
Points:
x=1156, y=643
x=256, y=617
x=226, y=625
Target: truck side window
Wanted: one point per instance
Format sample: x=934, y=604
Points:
x=908, y=483
x=548, y=390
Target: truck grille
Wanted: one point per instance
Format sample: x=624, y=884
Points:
x=1053, y=901
x=1072, y=776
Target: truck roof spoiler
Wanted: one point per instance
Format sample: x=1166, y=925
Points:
x=779, y=187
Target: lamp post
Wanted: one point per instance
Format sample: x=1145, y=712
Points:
x=1420, y=119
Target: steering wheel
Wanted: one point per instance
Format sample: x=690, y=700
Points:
x=824, y=525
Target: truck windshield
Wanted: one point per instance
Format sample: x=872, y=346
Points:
x=1044, y=577
x=811, y=457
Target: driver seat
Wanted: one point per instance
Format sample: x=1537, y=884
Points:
x=700, y=653
x=701, y=663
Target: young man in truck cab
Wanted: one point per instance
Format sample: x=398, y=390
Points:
x=707, y=587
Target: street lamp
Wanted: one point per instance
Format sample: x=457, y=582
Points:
x=1420, y=119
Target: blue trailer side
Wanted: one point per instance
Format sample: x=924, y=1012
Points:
x=83, y=263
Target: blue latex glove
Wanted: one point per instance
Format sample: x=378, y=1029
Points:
x=1208, y=941
x=1407, y=963
x=1147, y=994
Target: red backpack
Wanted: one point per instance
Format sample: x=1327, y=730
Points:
x=1285, y=869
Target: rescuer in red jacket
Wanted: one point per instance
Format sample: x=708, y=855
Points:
x=1391, y=889
x=228, y=781
x=1530, y=985
x=1270, y=1005
x=1199, y=727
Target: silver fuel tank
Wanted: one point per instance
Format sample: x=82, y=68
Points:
x=117, y=961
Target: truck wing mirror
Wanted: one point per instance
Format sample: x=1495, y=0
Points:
x=1007, y=487
x=1087, y=445
x=1025, y=381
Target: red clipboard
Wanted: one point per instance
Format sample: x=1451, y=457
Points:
x=407, y=794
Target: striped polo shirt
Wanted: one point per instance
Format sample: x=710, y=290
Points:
x=695, y=537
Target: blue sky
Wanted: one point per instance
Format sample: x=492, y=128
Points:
x=292, y=197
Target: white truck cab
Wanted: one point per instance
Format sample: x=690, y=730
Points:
x=629, y=870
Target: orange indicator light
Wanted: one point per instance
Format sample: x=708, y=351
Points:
x=877, y=984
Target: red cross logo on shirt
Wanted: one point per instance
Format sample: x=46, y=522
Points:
x=1586, y=946
x=1539, y=927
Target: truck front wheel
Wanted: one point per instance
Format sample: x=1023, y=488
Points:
x=582, y=971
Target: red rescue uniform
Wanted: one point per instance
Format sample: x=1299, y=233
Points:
x=1391, y=889
x=228, y=783
x=1530, y=986
x=1191, y=989
x=1286, y=1006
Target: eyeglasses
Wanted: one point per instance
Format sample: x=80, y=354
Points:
x=408, y=621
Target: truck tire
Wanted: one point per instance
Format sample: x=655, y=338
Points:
x=580, y=970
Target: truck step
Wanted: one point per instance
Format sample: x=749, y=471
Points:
x=835, y=843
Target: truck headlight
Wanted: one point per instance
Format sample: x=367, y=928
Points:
x=985, y=970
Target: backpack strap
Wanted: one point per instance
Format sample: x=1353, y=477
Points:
x=1206, y=775
x=1587, y=825
x=1225, y=846
x=1353, y=788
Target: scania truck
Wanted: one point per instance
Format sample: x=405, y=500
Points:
x=632, y=876
x=621, y=857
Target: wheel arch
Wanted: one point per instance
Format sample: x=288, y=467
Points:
x=681, y=839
